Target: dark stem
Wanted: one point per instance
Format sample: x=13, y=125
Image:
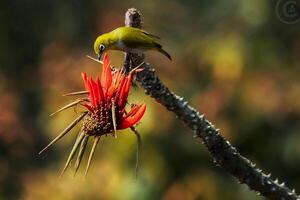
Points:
x=127, y=63
x=222, y=152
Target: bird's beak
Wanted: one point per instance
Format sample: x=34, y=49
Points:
x=99, y=56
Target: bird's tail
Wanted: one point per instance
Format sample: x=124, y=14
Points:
x=165, y=53
x=160, y=49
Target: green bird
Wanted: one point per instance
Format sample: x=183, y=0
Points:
x=128, y=39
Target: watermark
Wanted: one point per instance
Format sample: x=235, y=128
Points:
x=288, y=11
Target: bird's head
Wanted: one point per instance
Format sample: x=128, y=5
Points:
x=101, y=44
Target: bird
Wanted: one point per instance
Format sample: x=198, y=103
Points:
x=129, y=40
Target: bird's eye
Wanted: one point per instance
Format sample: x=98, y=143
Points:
x=101, y=47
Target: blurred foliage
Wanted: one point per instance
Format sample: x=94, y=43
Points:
x=233, y=60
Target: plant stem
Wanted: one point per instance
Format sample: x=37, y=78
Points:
x=223, y=153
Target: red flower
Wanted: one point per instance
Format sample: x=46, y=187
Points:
x=106, y=110
x=107, y=101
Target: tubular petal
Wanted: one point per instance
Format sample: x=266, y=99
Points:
x=87, y=85
x=131, y=120
x=92, y=92
x=110, y=91
x=133, y=110
x=88, y=107
x=100, y=91
x=120, y=86
x=96, y=92
x=124, y=91
x=106, y=77
x=85, y=81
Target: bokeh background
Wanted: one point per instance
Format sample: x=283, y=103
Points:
x=234, y=60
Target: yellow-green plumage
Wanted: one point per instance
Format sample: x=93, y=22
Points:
x=128, y=39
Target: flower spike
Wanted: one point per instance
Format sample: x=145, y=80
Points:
x=105, y=104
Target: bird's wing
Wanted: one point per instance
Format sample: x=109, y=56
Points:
x=137, y=38
x=150, y=35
